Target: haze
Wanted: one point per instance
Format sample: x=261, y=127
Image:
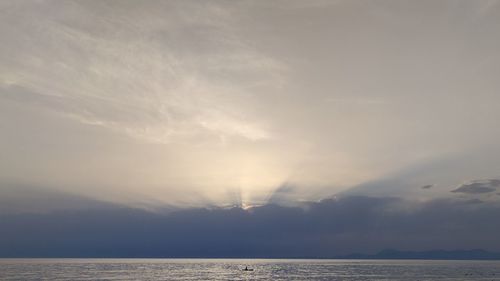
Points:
x=218, y=103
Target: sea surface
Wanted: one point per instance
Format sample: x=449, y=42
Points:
x=231, y=269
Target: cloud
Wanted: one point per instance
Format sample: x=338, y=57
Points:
x=159, y=78
x=316, y=229
x=478, y=186
x=282, y=194
x=19, y=199
x=174, y=99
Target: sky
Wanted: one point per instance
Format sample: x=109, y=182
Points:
x=195, y=105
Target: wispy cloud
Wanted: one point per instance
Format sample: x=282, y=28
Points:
x=153, y=78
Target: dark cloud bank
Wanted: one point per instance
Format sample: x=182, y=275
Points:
x=330, y=228
x=478, y=186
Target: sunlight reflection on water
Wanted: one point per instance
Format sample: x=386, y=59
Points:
x=231, y=269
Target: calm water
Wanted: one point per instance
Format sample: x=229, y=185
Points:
x=230, y=269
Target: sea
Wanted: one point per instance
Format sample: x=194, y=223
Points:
x=232, y=269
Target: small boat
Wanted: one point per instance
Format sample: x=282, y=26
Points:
x=247, y=269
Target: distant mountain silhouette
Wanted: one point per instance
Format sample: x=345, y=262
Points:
x=476, y=254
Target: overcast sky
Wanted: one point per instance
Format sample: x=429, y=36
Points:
x=194, y=103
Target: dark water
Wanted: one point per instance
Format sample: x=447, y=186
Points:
x=230, y=269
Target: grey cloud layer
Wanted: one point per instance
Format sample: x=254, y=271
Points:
x=478, y=186
x=324, y=229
